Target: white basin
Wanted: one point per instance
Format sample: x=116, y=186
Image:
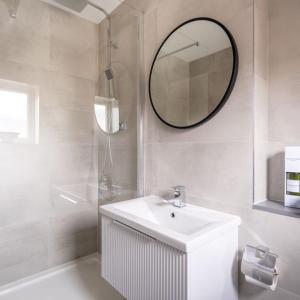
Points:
x=185, y=228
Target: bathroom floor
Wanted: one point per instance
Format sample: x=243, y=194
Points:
x=78, y=280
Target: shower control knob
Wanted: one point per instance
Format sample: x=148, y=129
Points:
x=123, y=126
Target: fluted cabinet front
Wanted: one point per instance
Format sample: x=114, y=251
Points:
x=140, y=267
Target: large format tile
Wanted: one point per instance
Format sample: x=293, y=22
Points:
x=210, y=171
x=262, y=40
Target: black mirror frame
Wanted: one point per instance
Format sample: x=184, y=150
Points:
x=231, y=82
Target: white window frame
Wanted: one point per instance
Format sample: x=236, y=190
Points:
x=32, y=93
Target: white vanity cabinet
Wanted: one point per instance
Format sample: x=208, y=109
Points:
x=142, y=267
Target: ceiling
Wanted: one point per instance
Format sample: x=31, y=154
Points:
x=210, y=37
x=90, y=13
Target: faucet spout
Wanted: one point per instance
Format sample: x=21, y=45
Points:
x=179, y=196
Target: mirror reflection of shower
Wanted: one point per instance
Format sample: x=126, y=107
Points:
x=106, y=107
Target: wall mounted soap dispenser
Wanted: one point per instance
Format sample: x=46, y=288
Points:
x=292, y=177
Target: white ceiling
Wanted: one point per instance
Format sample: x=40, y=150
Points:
x=210, y=36
x=90, y=13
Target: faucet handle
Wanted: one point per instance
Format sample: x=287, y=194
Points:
x=178, y=190
x=178, y=187
x=179, y=195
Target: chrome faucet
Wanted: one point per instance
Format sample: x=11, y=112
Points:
x=178, y=198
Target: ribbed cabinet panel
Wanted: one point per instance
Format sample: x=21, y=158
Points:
x=139, y=267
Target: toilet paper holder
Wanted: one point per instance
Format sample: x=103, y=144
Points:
x=259, y=266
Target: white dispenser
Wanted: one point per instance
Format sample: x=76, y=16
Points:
x=292, y=177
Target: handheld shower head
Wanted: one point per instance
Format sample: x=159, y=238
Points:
x=109, y=74
x=110, y=81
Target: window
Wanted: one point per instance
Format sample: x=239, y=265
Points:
x=18, y=112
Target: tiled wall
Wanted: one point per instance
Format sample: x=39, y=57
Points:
x=284, y=88
x=277, y=91
x=209, y=79
x=177, y=86
x=48, y=209
x=215, y=160
x=261, y=90
x=171, y=89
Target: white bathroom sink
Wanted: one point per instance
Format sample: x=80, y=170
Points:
x=185, y=228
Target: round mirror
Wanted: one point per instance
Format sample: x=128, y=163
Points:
x=193, y=73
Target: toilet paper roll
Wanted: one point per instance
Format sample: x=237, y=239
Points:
x=259, y=267
x=258, y=273
x=263, y=285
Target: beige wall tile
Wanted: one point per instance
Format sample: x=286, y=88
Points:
x=277, y=61
x=227, y=178
x=261, y=109
x=262, y=40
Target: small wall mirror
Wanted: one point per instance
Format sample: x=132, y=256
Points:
x=193, y=73
x=107, y=114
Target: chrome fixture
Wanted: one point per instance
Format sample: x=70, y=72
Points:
x=178, y=199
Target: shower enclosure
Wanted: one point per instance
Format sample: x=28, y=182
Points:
x=119, y=86
x=56, y=164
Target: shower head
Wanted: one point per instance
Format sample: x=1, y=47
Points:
x=77, y=5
